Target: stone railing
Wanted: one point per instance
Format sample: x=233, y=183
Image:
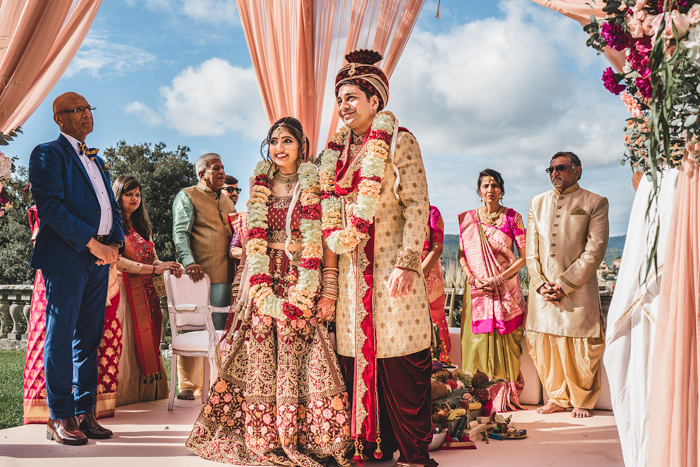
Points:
x=15, y=303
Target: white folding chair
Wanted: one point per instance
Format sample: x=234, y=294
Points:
x=189, y=310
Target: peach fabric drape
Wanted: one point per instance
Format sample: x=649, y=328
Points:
x=38, y=40
x=674, y=413
x=581, y=11
x=296, y=47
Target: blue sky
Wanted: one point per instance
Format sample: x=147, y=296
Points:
x=501, y=84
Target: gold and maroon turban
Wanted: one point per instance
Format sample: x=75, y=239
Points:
x=361, y=69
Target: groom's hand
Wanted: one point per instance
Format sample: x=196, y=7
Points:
x=401, y=282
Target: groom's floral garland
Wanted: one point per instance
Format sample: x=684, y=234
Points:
x=301, y=299
x=339, y=239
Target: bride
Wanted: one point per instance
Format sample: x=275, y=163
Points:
x=280, y=398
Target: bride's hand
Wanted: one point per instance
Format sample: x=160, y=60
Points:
x=326, y=309
x=482, y=284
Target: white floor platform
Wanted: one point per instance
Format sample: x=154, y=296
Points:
x=147, y=434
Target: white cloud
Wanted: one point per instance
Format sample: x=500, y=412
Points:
x=98, y=56
x=507, y=93
x=212, y=99
x=144, y=113
x=209, y=11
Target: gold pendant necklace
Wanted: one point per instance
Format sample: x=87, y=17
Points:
x=491, y=218
x=287, y=180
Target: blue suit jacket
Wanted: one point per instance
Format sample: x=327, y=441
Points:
x=68, y=208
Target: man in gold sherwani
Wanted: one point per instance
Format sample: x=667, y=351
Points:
x=382, y=318
x=567, y=236
x=202, y=234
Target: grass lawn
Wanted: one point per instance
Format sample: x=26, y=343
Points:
x=11, y=388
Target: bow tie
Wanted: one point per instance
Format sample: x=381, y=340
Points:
x=90, y=152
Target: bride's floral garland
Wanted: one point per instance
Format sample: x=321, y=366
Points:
x=301, y=300
x=362, y=213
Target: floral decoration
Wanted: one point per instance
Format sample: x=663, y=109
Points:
x=361, y=213
x=7, y=167
x=660, y=81
x=299, y=305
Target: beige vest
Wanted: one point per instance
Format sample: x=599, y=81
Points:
x=211, y=233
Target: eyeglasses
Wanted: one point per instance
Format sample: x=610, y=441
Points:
x=558, y=168
x=79, y=110
x=231, y=189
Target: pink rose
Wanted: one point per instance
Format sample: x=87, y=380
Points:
x=640, y=15
x=301, y=323
x=694, y=14
x=636, y=28
x=676, y=19
x=648, y=25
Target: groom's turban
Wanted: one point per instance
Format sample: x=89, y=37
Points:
x=361, y=69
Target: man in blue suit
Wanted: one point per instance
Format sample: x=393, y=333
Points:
x=80, y=236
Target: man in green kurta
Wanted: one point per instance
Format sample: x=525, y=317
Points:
x=202, y=235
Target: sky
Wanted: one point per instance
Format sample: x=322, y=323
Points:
x=501, y=84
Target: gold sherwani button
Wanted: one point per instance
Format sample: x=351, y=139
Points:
x=558, y=207
x=552, y=255
x=561, y=197
x=554, y=244
x=556, y=225
x=558, y=215
x=554, y=235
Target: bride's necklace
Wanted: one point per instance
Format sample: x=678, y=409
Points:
x=287, y=180
x=491, y=218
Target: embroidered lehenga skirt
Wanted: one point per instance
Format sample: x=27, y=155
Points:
x=280, y=398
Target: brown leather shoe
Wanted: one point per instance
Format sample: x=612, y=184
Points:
x=90, y=427
x=65, y=431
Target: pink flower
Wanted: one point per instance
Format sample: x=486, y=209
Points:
x=640, y=15
x=267, y=418
x=301, y=323
x=267, y=320
x=340, y=418
x=648, y=25
x=214, y=399
x=673, y=18
x=636, y=28
x=694, y=14
x=327, y=413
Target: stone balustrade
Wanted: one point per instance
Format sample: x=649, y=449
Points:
x=15, y=303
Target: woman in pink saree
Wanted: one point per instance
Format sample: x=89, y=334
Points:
x=434, y=277
x=494, y=304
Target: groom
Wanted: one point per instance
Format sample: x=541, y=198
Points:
x=383, y=320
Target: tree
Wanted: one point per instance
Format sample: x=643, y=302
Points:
x=162, y=174
x=15, y=234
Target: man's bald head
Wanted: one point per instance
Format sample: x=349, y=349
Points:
x=73, y=115
x=63, y=101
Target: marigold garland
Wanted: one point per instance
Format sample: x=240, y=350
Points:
x=300, y=303
x=361, y=213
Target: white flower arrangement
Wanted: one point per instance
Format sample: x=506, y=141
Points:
x=258, y=264
x=373, y=166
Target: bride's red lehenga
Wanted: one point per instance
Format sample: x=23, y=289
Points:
x=280, y=398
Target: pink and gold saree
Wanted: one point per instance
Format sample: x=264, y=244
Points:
x=488, y=251
x=434, y=279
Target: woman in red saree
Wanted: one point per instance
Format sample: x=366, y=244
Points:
x=434, y=277
x=35, y=409
x=494, y=304
x=142, y=368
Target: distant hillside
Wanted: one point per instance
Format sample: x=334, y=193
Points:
x=451, y=246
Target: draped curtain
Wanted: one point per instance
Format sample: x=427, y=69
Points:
x=297, y=46
x=38, y=40
x=581, y=11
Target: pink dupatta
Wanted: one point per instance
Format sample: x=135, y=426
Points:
x=489, y=251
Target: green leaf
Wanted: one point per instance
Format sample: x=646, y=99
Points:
x=690, y=120
x=3, y=142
